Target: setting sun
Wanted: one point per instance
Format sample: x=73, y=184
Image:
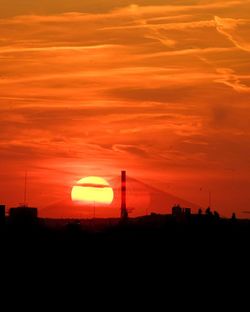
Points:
x=92, y=190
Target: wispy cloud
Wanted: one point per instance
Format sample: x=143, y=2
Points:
x=231, y=79
x=228, y=26
x=139, y=23
x=192, y=51
x=21, y=49
x=162, y=9
x=132, y=149
x=158, y=87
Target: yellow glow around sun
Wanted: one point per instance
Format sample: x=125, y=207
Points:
x=92, y=190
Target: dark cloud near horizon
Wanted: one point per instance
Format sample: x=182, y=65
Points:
x=135, y=150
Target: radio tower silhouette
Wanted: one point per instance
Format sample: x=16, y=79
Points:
x=124, y=212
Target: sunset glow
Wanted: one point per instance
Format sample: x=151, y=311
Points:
x=160, y=88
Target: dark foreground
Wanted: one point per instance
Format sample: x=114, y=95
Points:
x=154, y=237
x=156, y=254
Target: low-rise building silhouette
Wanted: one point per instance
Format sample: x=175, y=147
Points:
x=2, y=214
x=178, y=211
x=23, y=215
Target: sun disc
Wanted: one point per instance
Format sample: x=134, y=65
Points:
x=92, y=190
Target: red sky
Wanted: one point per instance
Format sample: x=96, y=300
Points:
x=160, y=88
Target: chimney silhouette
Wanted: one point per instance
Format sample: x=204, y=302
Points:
x=124, y=212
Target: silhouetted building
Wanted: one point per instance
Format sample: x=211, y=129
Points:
x=2, y=214
x=178, y=211
x=187, y=211
x=233, y=218
x=208, y=212
x=23, y=215
x=216, y=215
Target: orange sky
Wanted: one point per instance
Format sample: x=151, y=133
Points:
x=160, y=88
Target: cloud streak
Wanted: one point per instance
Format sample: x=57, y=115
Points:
x=229, y=78
x=228, y=26
x=53, y=49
